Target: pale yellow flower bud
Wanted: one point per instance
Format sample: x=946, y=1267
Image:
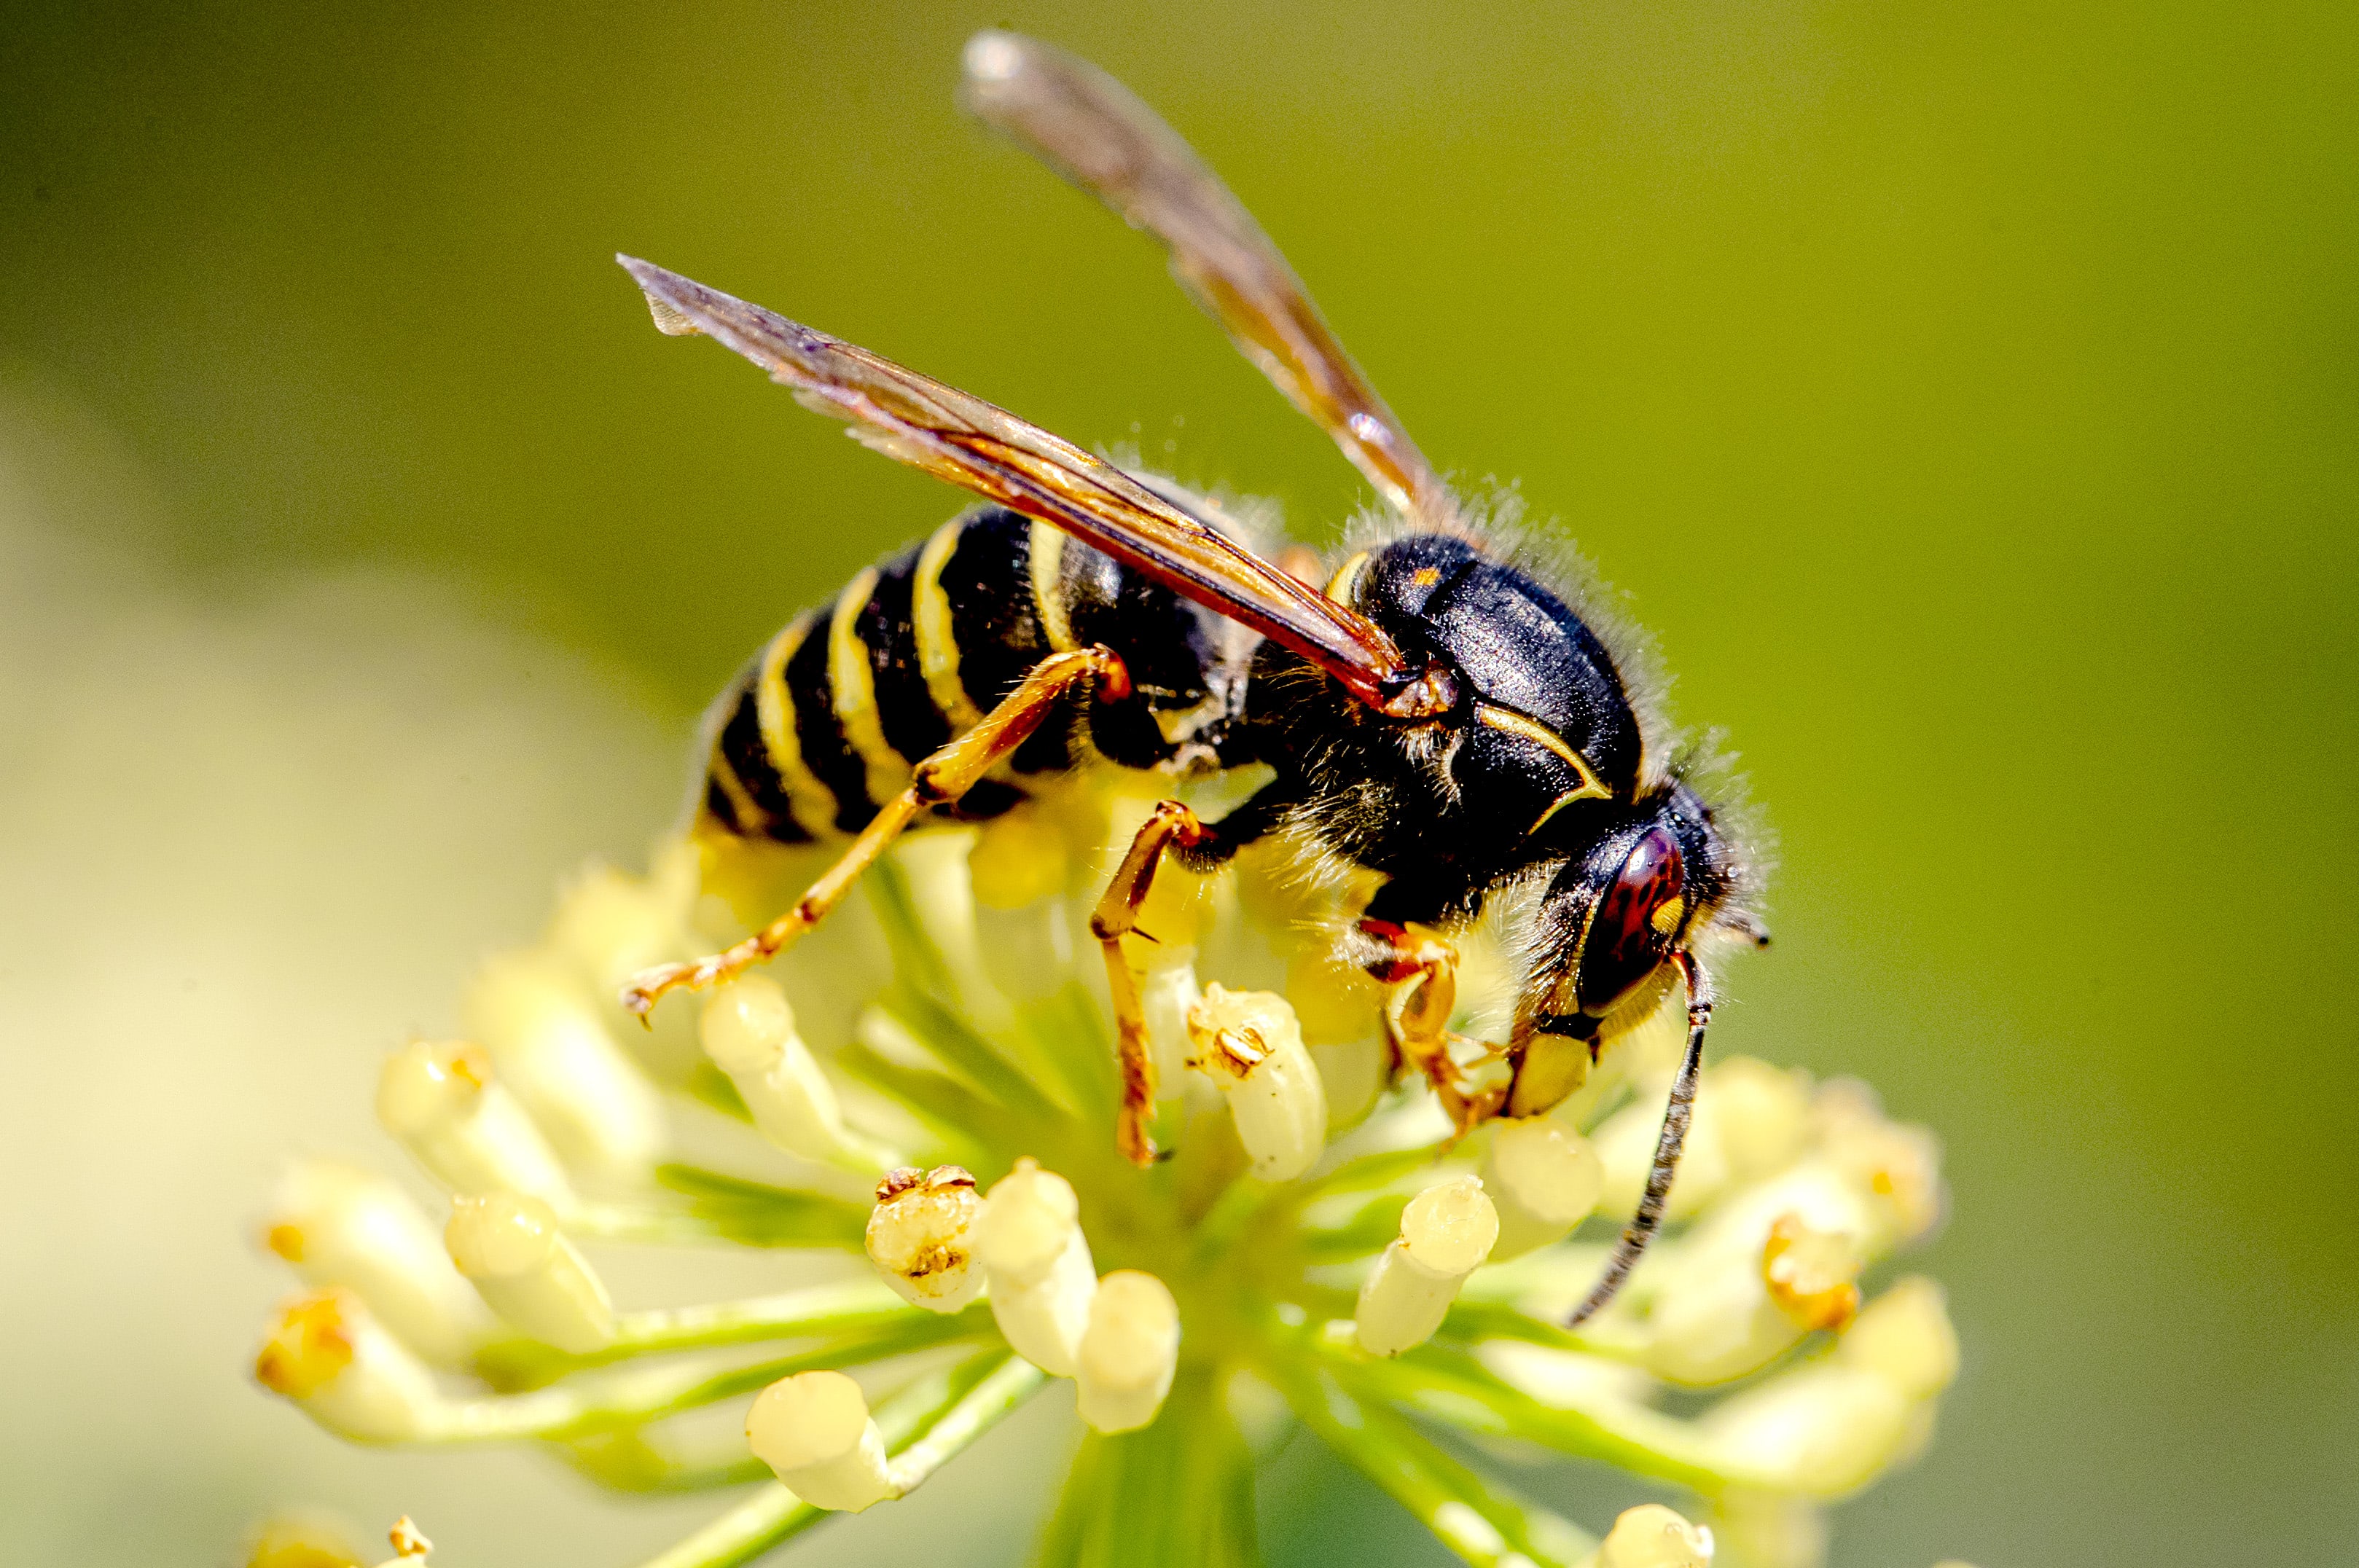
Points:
x=439, y=1099
x=1768, y=1529
x=1901, y=1165
x=1248, y=1044
x=1446, y=1232
x=1544, y=1179
x=1905, y=1336
x=1128, y=1352
x=1652, y=1536
x=1763, y=1112
x=1625, y=1144
x=1168, y=993
x=1018, y=859
x=325, y=1353
x=748, y=1029
x=919, y=1236
x=613, y=924
x=336, y=1225
x=1822, y=1430
x=552, y=1047
x=813, y=1429
x=527, y=1271
x=1042, y=1278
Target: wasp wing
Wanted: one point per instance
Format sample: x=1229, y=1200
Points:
x=1096, y=132
x=980, y=446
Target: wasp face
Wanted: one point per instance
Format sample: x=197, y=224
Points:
x=1614, y=917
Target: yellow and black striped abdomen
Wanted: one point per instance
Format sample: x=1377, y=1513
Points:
x=825, y=723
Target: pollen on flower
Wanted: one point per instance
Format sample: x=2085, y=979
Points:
x=1249, y=1045
x=410, y=1544
x=324, y=1353
x=1812, y=1275
x=920, y=1237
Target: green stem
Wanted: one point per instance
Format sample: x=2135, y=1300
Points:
x=1483, y=1523
x=1175, y=1493
x=713, y=1206
x=824, y=1311
x=1454, y=1387
x=627, y=1396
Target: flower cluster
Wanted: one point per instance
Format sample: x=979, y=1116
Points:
x=929, y=1081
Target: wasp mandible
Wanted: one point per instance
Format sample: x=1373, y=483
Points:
x=1436, y=715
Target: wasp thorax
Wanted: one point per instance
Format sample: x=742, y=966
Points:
x=921, y=1236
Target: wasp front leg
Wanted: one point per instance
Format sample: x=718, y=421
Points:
x=1170, y=825
x=1419, y=968
x=939, y=780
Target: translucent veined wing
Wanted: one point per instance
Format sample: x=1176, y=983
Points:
x=980, y=446
x=1097, y=133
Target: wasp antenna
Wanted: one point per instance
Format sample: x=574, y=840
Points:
x=1667, y=1149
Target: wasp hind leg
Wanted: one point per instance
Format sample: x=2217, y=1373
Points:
x=939, y=780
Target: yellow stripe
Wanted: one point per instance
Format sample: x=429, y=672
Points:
x=938, y=648
x=852, y=682
x=1048, y=586
x=813, y=802
x=751, y=819
x=1347, y=581
x=1508, y=721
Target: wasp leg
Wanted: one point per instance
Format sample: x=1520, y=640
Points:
x=939, y=780
x=1116, y=917
x=1419, y=968
x=1668, y=1147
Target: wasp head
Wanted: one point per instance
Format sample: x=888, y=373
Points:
x=1613, y=918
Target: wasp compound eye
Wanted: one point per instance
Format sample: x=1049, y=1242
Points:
x=1639, y=915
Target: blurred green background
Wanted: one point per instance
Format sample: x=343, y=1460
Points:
x=1966, y=394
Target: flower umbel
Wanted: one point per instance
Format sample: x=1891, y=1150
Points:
x=927, y=1089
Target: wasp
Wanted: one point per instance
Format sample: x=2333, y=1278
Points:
x=1432, y=712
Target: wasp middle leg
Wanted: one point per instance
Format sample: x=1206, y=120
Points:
x=1419, y=968
x=939, y=780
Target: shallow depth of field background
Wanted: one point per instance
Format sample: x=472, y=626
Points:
x=1965, y=395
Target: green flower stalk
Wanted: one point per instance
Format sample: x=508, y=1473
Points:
x=929, y=1083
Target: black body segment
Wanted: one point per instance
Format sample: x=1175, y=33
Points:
x=851, y=695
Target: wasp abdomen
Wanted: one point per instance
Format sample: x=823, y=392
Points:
x=824, y=725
